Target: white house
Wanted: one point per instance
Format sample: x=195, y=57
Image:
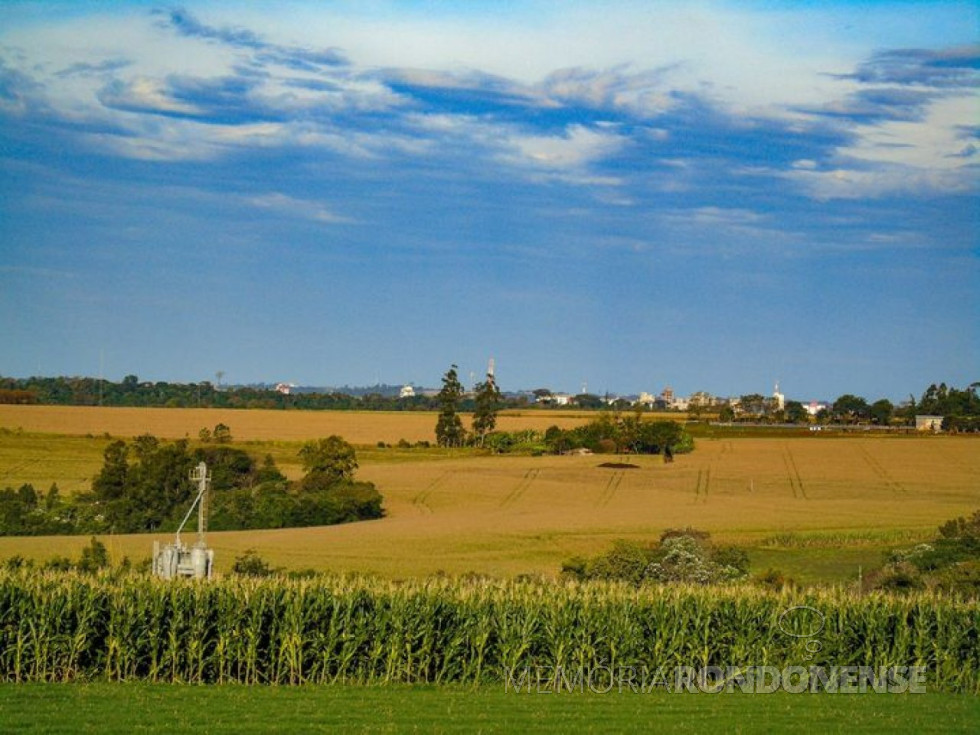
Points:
x=928, y=423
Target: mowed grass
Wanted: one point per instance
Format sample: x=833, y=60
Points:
x=149, y=708
x=816, y=508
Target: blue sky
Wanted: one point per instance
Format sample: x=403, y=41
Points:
x=712, y=196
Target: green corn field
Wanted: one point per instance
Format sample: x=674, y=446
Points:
x=69, y=627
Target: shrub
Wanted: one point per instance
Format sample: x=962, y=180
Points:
x=681, y=556
x=250, y=564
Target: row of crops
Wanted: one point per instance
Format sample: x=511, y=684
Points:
x=65, y=627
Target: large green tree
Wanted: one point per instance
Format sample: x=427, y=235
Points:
x=449, y=427
x=881, y=412
x=485, y=412
x=851, y=409
x=327, y=462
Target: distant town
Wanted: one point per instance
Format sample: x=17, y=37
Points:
x=940, y=407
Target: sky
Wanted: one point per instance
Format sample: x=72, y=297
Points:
x=619, y=196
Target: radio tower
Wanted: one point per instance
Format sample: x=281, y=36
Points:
x=490, y=369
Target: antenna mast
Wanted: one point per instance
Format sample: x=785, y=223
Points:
x=176, y=560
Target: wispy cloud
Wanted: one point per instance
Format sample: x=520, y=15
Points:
x=186, y=24
x=943, y=68
x=293, y=207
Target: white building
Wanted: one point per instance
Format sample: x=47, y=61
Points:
x=928, y=423
x=778, y=398
x=407, y=391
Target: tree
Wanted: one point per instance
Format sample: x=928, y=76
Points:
x=250, y=564
x=327, y=462
x=753, y=404
x=850, y=409
x=110, y=483
x=94, y=557
x=588, y=400
x=487, y=405
x=881, y=412
x=449, y=427
x=796, y=412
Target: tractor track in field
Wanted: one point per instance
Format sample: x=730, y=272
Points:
x=611, y=487
x=793, y=472
x=17, y=468
x=702, y=486
x=525, y=482
x=890, y=482
x=421, y=499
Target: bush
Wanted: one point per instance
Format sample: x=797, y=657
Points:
x=679, y=557
x=774, y=580
x=950, y=563
x=94, y=557
x=250, y=564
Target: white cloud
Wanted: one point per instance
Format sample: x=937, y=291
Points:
x=143, y=93
x=576, y=148
x=293, y=207
x=930, y=144
x=844, y=183
x=637, y=58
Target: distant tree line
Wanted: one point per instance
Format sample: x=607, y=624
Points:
x=960, y=409
x=145, y=485
x=131, y=391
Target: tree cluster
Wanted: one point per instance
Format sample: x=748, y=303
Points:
x=145, y=486
x=686, y=556
x=486, y=401
x=621, y=434
x=949, y=563
x=84, y=391
x=93, y=559
x=960, y=409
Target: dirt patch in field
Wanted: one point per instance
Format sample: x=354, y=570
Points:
x=620, y=466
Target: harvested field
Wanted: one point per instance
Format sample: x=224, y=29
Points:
x=507, y=515
x=357, y=427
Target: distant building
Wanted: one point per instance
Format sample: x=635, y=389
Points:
x=407, y=391
x=778, y=399
x=929, y=423
x=678, y=404
x=284, y=388
x=815, y=407
x=555, y=399
x=701, y=399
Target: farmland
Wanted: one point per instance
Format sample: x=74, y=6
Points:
x=817, y=507
x=357, y=427
x=66, y=627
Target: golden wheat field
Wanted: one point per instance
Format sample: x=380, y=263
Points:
x=357, y=427
x=507, y=515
